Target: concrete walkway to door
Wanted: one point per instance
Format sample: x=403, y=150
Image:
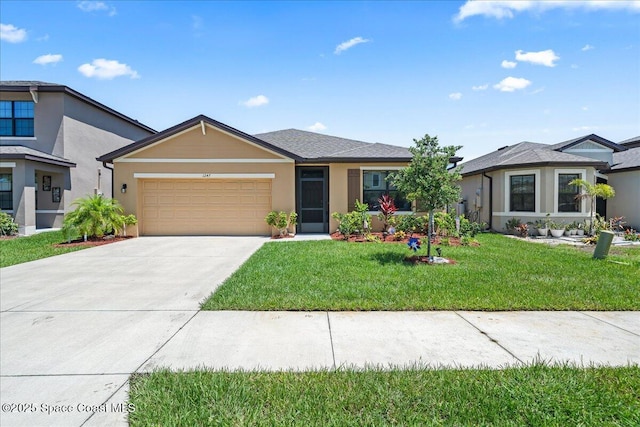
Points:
x=73, y=328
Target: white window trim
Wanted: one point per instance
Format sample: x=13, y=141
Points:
x=18, y=138
x=381, y=168
x=205, y=175
x=49, y=211
x=556, y=193
x=507, y=191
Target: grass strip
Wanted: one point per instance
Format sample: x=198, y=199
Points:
x=536, y=395
x=30, y=248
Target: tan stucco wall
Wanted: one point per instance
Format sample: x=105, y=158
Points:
x=545, y=177
x=215, y=144
x=195, y=146
x=626, y=203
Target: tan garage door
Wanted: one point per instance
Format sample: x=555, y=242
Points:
x=205, y=206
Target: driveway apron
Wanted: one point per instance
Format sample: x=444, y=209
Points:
x=75, y=326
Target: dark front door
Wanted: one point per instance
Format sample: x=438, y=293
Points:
x=312, y=199
x=601, y=204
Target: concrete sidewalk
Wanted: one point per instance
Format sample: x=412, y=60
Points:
x=73, y=328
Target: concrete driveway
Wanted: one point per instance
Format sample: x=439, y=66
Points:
x=75, y=326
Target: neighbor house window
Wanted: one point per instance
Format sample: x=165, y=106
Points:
x=567, y=201
x=522, y=194
x=6, y=191
x=16, y=118
x=375, y=184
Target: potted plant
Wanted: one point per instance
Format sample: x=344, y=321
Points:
x=293, y=221
x=557, y=228
x=580, y=229
x=542, y=227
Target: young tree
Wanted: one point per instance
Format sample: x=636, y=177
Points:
x=427, y=178
x=592, y=192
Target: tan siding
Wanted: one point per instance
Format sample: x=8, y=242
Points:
x=214, y=145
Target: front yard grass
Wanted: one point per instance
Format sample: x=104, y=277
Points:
x=30, y=248
x=501, y=274
x=534, y=395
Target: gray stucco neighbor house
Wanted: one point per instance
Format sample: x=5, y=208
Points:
x=529, y=181
x=50, y=136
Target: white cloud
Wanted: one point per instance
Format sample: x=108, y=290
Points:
x=256, y=101
x=511, y=84
x=48, y=59
x=575, y=66
x=587, y=47
x=96, y=6
x=508, y=64
x=584, y=128
x=12, y=34
x=107, y=69
x=481, y=87
x=349, y=44
x=585, y=108
x=455, y=96
x=507, y=9
x=317, y=127
x=544, y=57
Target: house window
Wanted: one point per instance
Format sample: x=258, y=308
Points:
x=375, y=184
x=6, y=191
x=16, y=118
x=567, y=201
x=522, y=193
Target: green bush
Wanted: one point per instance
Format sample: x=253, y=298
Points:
x=409, y=224
x=357, y=221
x=445, y=224
x=7, y=226
x=95, y=216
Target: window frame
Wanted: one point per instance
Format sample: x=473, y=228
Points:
x=507, y=190
x=383, y=183
x=5, y=192
x=16, y=120
x=582, y=173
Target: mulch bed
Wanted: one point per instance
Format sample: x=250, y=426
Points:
x=96, y=241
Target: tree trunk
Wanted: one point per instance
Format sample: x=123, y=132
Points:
x=429, y=236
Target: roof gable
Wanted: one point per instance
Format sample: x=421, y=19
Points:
x=199, y=122
x=592, y=141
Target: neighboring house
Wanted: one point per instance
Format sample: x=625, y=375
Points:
x=530, y=180
x=204, y=177
x=624, y=177
x=50, y=136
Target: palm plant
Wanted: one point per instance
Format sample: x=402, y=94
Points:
x=592, y=192
x=95, y=216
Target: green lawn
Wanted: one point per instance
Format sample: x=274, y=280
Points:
x=537, y=395
x=24, y=249
x=501, y=274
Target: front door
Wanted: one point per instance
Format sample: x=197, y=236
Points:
x=312, y=199
x=601, y=204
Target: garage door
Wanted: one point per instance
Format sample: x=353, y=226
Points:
x=205, y=206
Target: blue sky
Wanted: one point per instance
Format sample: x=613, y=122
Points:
x=480, y=74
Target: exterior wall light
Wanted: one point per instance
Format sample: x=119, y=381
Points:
x=124, y=188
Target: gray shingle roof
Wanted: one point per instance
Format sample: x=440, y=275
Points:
x=631, y=142
x=311, y=145
x=523, y=154
x=626, y=160
x=21, y=152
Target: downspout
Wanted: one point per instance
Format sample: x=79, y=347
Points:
x=113, y=193
x=484, y=174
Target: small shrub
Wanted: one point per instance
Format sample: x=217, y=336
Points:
x=631, y=235
x=445, y=224
x=280, y=221
x=522, y=230
x=369, y=237
x=444, y=241
x=7, y=226
x=399, y=235
x=95, y=216
x=409, y=224
x=468, y=228
x=357, y=221
x=387, y=209
x=468, y=241
x=512, y=224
